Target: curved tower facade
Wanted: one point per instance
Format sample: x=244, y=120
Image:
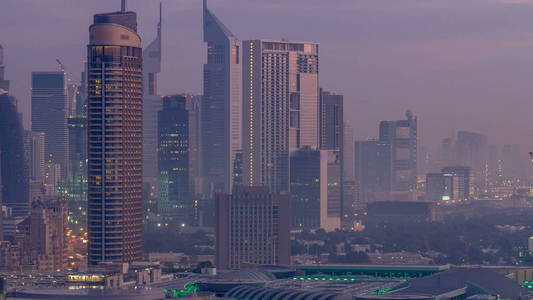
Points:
x=115, y=109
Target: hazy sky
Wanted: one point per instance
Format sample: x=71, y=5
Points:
x=458, y=64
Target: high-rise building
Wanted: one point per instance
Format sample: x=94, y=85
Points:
x=401, y=135
x=14, y=169
x=151, y=106
x=315, y=189
x=76, y=187
x=305, y=188
x=372, y=170
x=350, y=204
x=464, y=175
x=252, y=227
x=280, y=108
x=331, y=121
x=194, y=107
x=49, y=106
x=173, y=145
x=37, y=158
x=221, y=104
x=472, y=150
x=115, y=91
x=443, y=187
x=4, y=83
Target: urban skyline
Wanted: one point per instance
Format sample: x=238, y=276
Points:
x=264, y=184
x=418, y=93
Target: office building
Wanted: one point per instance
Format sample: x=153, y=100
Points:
x=443, y=187
x=151, y=106
x=14, y=169
x=76, y=183
x=464, y=180
x=372, y=170
x=4, y=83
x=315, y=189
x=401, y=135
x=472, y=150
x=173, y=130
x=331, y=121
x=280, y=108
x=49, y=106
x=305, y=188
x=37, y=160
x=349, y=202
x=253, y=226
x=115, y=91
x=221, y=108
x=194, y=105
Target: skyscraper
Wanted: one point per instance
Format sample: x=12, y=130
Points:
x=252, y=227
x=151, y=105
x=331, y=120
x=401, y=135
x=472, y=150
x=305, y=188
x=4, y=83
x=348, y=172
x=115, y=91
x=174, y=184
x=221, y=104
x=280, y=98
x=372, y=170
x=37, y=157
x=49, y=106
x=14, y=169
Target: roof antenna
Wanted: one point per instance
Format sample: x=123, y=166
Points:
x=123, y=6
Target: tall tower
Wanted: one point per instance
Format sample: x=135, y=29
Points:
x=402, y=136
x=280, y=108
x=115, y=91
x=49, y=107
x=221, y=105
x=173, y=127
x=151, y=105
x=4, y=83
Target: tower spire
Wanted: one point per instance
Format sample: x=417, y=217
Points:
x=123, y=6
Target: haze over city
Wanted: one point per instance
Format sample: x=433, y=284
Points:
x=457, y=64
x=266, y=149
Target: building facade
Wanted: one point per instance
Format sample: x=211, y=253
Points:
x=115, y=91
x=372, y=170
x=221, y=108
x=253, y=226
x=14, y=169
x=152, y=56
x=49, y=106
x=173, y=144
x=402, y=137
x=4, y=83
x=280, y=108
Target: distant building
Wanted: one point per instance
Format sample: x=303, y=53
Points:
x=464, y=174
x=253, y=226
x=49, y=106
x=349, y=186
x=4, y=83
x=472, y=150
x=173, y=164
x=305, y=188
x=402, y=136
x=37, y=160
x=443, y=187
x=331, y=121
x=43, y=241
x=76, y=187
x=315, y=189
x=221, y=107
x=152, y=56
x=14, y=171
x=280, y=108
x=372, y=170
x=115, y=91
